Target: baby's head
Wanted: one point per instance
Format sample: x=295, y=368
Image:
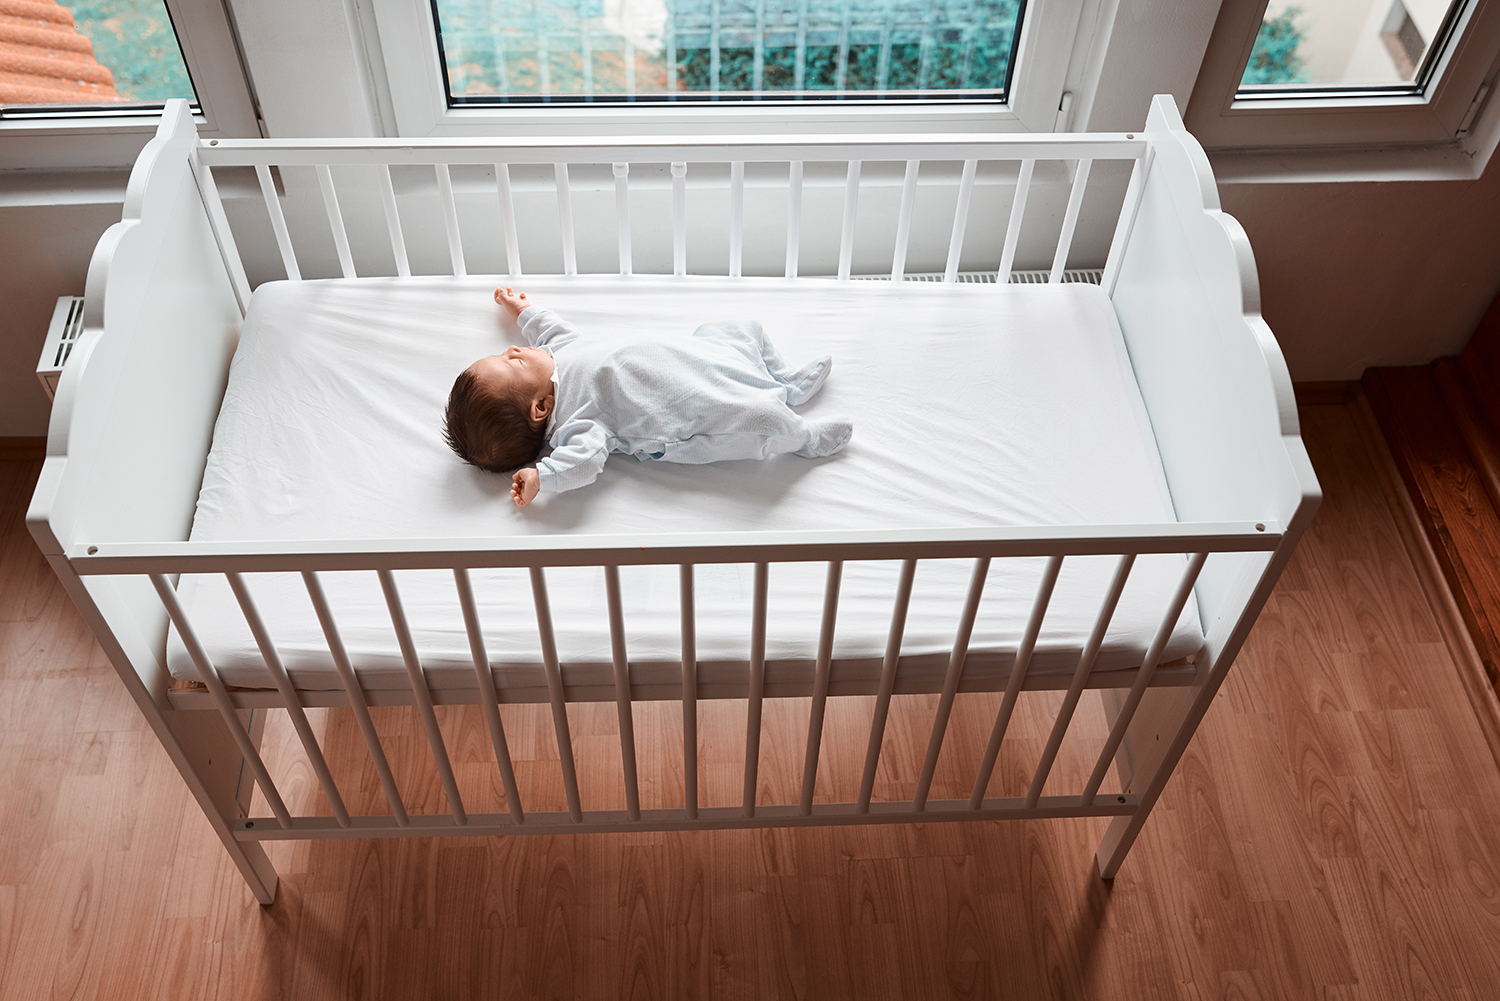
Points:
x=498, y=409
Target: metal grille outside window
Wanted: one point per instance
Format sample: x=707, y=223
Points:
x=691, y=51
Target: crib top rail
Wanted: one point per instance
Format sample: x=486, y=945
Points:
x=665, y=149
x=720, y=547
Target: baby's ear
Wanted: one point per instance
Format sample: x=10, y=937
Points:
x=541, y=408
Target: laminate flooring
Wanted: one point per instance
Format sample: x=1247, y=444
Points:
x=1332, y=832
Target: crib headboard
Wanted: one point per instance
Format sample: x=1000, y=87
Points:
x=1211, y=373
x=159, y=286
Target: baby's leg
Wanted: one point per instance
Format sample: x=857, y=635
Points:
x=802, y=384
x=807, y=438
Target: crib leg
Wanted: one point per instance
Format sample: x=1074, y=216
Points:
x=1159, y=734
x=210, y=763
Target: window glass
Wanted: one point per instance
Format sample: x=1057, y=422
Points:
x=106, y=55
x=565, y=51
x=1385, y=46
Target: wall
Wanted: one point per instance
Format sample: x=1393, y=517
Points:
x=1361, y=274
x=47, y=233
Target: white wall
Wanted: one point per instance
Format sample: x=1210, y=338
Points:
x=48, y=228
x=1352, y=274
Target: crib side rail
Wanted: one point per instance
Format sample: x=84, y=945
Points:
x=130, y=558
x=1126, y=543
x=391, y=206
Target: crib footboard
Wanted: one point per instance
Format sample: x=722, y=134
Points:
x=1220, y=400
x=130, y=432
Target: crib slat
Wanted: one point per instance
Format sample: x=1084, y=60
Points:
x=565, y=218
x=335, y=220
x=289, y=695
x=1013, y=227
x=951, y=680
x=1129, y=210
x=508, y=219
x=1080, y=678
x=960, y=219
x=736, y=217
x=1070, y=222
x=1143, y=677
x=757, y=686
x=887, y=679
x=278, y=223
x=679, y=218
x=903, y=220
x=622, y=690
x=794, y=218
x=450, y=219
x=488, y=694
x=1017, y=676
x=851, y=206
x=622, y=215
x=555, y=691
x=210, y=677
x=421, y=694
x=689, y=693
x=356, y=695
x=393, y=221
x=820, y=684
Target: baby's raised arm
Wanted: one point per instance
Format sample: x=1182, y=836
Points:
x=513, y=301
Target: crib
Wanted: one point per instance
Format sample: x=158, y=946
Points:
x=168, y=292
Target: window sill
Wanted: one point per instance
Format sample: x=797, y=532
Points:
x=744, y=118
x=1445, y=162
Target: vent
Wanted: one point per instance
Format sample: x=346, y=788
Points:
x=1087, y=275
x=62, y=333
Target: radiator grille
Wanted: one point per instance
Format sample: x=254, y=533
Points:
x=62, y=333
x=71, y=329
x=1088, y=275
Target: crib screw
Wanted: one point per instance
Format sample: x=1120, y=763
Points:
x=93, y=550
x=249, y=824
x=1122, y=799
x=1259, y=527
x=213, y=142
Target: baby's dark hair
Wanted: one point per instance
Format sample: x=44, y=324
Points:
x=490, y=431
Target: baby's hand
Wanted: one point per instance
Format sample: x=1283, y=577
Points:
x=524, y=485
x=512, y=300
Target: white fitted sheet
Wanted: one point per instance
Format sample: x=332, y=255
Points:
x=972, y=406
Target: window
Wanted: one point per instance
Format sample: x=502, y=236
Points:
x=103, y=69
x=509, y=51
x=539, y=66
x=1344, y=73
x=110, y=55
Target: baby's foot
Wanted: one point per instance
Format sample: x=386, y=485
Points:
x=827, y=436
x=803, y=384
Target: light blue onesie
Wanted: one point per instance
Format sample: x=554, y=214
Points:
x=722, y=393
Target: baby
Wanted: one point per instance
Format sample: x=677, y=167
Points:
x=722, y=393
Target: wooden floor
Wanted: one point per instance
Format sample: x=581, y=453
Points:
x=1333, y=832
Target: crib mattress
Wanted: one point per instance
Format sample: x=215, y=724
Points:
x=972, y=406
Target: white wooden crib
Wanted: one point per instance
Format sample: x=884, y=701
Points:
x=167, y=291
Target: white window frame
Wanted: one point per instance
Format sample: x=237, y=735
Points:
x=408, y=39
x=1222, y=121
x=103, y=137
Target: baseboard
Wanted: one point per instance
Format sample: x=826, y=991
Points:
x=1430, y=575
x=1337, y=394
x=22, y=449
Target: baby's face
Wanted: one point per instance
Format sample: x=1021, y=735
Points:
x=523, y=373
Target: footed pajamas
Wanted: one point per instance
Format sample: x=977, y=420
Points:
x=724, y=392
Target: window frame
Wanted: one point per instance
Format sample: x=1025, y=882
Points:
x=74, y=136
x=408, y=39
x=1221, y=120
